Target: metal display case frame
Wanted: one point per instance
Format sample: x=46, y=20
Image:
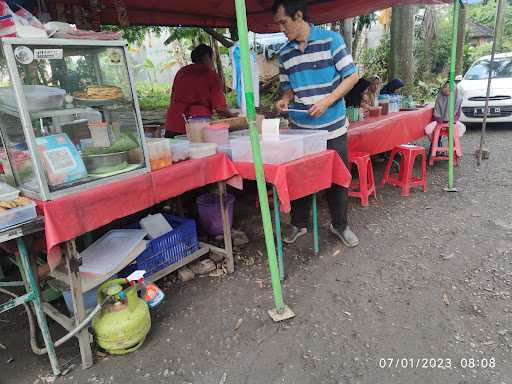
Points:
x=26, y=116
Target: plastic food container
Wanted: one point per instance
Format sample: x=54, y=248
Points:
x=195, y=128
x=159, y=153
x=375, y=111
x=314, y=141
x=181, y=137
x=180, y=150
x=38, y=97
x=7, y=192
x=217, y=133
x=199, y=150
x=384, y=103
x=18, y=215
x=286, y=149
x=99, y=134
x=227, y=149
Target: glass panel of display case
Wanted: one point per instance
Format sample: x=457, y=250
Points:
x=17, y=163
x=82, y=111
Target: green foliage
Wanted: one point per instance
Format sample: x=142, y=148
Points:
x=376, y=61
x=153, y=96
x=134, y=34
x=485, y=14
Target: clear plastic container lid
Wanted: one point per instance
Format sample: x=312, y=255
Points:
x=7, y=192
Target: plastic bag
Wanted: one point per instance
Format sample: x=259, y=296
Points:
x=20, y=23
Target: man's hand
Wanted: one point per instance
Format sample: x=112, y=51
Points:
x=320, y=107
x=282, y=105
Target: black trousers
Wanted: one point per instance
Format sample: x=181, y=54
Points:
x=337, y=197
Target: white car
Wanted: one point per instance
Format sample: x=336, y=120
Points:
x=474, y=88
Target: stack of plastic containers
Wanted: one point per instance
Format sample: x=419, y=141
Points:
x=159, y=153
x=314, y=141
x=287, y=148
x=216, y=133
x=180, y=150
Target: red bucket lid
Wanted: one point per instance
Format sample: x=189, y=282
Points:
x=218, y=126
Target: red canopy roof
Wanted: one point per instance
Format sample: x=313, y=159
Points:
x=221, y=13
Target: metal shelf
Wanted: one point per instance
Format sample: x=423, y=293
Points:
x=42, y=114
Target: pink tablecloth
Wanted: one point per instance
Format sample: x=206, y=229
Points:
x=301, y=177
x=381, y=134
x=79, y=213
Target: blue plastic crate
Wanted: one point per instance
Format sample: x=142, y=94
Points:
x=167, y=249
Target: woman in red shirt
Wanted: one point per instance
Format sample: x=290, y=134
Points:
x=197, y=91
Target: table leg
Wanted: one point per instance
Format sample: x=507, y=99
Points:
x=84, y=338
x=277, y=219
x=228, y=244
x=41, y=319
x=315, y=226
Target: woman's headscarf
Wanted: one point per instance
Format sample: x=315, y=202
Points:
x=441, y=107
x=355, y=95
x=392, y=86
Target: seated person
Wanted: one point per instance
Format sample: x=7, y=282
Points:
x=356, y=96
x=441, y=114
x=374, y=90
x=394, y=86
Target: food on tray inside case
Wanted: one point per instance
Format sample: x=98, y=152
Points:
x=18, y=202
x=100, y=92
x=104, y=160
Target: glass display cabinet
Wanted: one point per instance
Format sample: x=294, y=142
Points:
x=69, y=115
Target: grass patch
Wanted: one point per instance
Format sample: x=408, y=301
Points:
x=153, y=96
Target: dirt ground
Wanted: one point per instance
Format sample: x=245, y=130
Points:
x=431, y=279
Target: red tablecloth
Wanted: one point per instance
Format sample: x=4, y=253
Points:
x=381, y=134
x=79, y=213
x=301, y=177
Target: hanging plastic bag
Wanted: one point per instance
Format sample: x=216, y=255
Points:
x=20, y=23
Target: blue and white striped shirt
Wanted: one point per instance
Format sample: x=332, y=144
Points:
x=314, y=74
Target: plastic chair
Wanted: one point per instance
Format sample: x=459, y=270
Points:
x=365, y=186
x=440, y=131
x=405, y=178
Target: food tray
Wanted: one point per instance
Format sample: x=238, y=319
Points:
x=15, y=216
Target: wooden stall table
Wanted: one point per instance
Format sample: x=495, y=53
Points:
x=33, y=295
x=376, y=135
x=68, y=217
x=296, y=179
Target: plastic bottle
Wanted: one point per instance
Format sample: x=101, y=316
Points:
x=152, y=295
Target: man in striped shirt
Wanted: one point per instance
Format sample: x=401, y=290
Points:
x=316, y=71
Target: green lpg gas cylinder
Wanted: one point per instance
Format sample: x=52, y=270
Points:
x=124, y=321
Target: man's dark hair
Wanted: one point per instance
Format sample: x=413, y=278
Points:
x=291, y=7
x=199, y=52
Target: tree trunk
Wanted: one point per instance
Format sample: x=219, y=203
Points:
x=394, y=42
x=500, y=23
x=461, y=37
x=402, y=37
x=347, y=33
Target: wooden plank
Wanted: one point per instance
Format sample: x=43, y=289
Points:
x=57, y=316
x=84, y=338
x=171, y=268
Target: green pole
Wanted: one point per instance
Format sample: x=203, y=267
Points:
x=256, y=154
x=451, y=101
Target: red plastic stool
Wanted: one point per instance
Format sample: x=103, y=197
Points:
x=441, y=130
x=405, y=178
x=366, y=185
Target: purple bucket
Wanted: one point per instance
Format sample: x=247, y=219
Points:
x=210, y=216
